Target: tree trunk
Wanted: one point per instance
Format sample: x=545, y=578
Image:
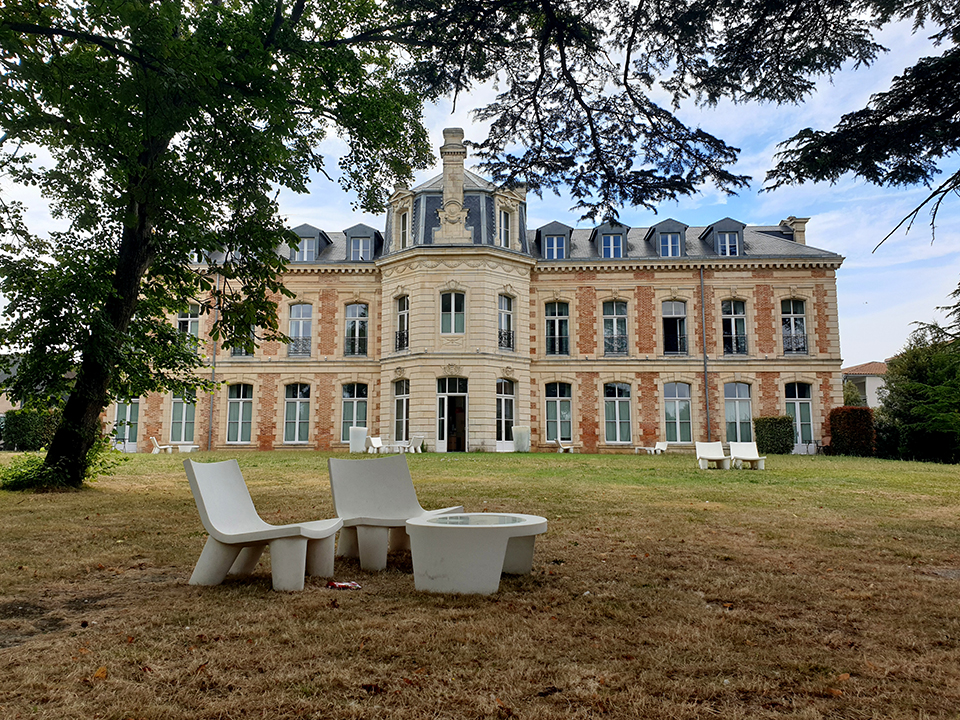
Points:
x=80, y=425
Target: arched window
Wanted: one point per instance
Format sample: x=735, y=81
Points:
x=506, y=335
x=676, y=409
x=800, y=409
x=616, y=412
x=355, y=342
x=734, y=327
x=300, y=330
x=401, y=419
x=354, y=409
x=794, y=323
x=674, y=327
x=615, y=327
x=296, y=416
x=505, y=393
x=737, y=411
x=558, y=328
x=239, y=413
x=559, y=397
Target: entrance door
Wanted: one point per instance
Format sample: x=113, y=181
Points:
x=452, y=415
x=799, y=408
x=126, y=426
x=505, y=394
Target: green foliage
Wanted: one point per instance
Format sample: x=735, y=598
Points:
x=851, y=396
x=29, y=472
x=29, y=428
x=852, y=431
x=921, y=397
x=775, y=435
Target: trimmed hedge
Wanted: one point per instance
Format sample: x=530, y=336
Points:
x=852, y=431
x=29, y=429
x=775, y=435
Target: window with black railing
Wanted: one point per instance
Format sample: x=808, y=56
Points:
x=674, y=344
x=299, y=347
x=558, y=345
x=734, y=344
x=795, y=343
x=615, y=345
x=355, y=346
x=558, y=328
x=403, y=340
x=506, y=340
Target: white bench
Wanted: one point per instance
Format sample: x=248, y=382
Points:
x=746, y=453
x=712, y=452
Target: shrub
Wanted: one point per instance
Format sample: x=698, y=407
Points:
x=775, y=435
x=852, y=431
x=28, y=471
x=29, y=429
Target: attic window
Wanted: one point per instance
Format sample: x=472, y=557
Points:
x=404, y=229
x=612, y=246
x=555, y=247
x=728, y=243
x=504, y=229
x=305, y=251
x=669, y=244
x=361, y=249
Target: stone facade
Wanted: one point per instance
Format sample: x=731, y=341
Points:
x=456, y=323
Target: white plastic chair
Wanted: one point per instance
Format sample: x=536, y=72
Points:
x=712, y=452
x=561, y=448
x=659, y=448
x=238, y=535
x=374, y=499
x=374, y=445
x=158, y=448
x=416, y=444
x=746, y=452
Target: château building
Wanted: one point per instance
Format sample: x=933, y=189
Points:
x=456, y=322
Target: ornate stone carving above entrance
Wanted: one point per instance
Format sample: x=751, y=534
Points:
x=452, y=369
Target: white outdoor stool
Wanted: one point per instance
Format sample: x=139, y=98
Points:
x=467, y=552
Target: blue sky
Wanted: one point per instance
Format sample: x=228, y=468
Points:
x=880, y=293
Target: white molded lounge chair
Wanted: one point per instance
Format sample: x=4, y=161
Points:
x=658, y=449
x=375, y=498
x=416, y=444
x=712, y=452
x=374, y=445
x=238, y=535
x=158, y=448
x=561, y=448
x=746, y=452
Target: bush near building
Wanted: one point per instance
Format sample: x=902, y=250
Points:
x=775, y=435
x=852, y=431
x=29, y=429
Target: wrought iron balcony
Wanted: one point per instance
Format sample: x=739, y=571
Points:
x=615, y=345
x=734, y=344
x=675, y=344
x=242, y=352
x=558, y=345
x=299, y=347
x=506, y=340
x=355, y=346
x=795, y=343
x=403, y=340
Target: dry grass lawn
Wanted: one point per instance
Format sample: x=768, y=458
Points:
x=819, y=588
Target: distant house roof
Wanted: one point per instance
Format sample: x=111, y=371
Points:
x=870, y=368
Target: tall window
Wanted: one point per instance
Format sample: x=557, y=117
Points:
x=559, y=415
x=794, y=323
x=182, y=418
x=555, y=247
x=674, y=327
x=189, y=322
x=240, y=350
x=504, y=229
x=401, y=415
x=669, y=244
x=616, y=412
x=404, y=230
x=300, y=323
x=505, y=395
x=734, y=327
x=128, y=422
x=676, y=408
x=800, y=409
x=452, y=316
x=305, y=251
x=615, y=327
x=239, y=413
x=737, y=412
x=728, y=243
x=296, y=415
x=558, y=328
x=356, y=335
x=506, y=334
x=354, y=408
x=361, y=249
x=612, y=246
x=403, y=322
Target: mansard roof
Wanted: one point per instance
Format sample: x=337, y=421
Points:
x=471, y=183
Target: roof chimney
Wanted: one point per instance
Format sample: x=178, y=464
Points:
x=453, y=227
x=799, y=227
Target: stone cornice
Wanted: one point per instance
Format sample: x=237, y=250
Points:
x=743, y=263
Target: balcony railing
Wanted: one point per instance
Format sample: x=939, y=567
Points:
x=615, y=345
x=243, y=352
x=734, y=344
x=355, y=346
x=299, y=347
x=795, y=343
x=675, y=344
x=403, y=340
x=558, y=345
x=506, y=340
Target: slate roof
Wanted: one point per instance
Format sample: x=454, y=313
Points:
x=471, y=183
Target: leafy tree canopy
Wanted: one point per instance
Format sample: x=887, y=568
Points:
x=168, y=127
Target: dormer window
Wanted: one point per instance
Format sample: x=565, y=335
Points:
x=728, y=243
x=669, y=244
x=404, y=230
x=361, y=249
x=555, y=247
x=612, y=246
x=305, y=251
x=504, y=236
